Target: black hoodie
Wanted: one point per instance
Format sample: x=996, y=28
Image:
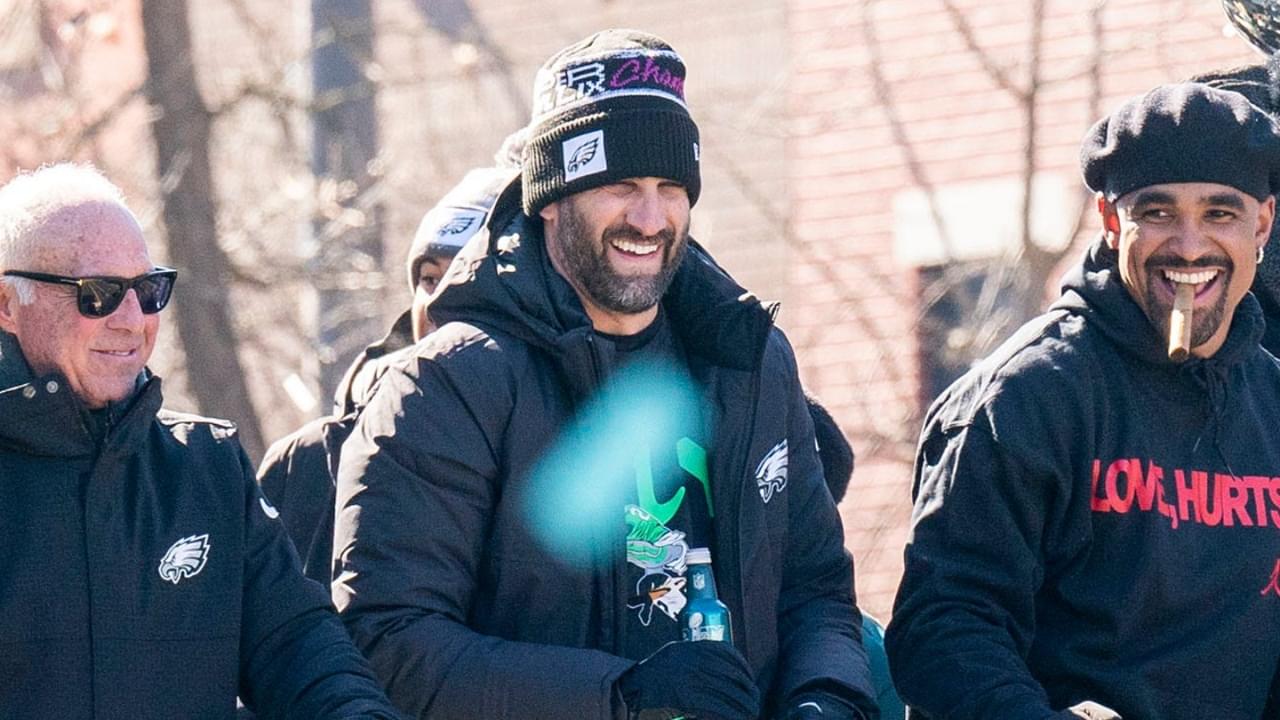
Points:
x=1095, y=522
x=462, y=612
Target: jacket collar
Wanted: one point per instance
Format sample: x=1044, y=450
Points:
x=353, y=391
x=504, y=279
x=41, y=416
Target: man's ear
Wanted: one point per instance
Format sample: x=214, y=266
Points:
x=551, y=212
x=8, y=309
x=1110, y=221
x=1266, y=217
x=550, y=229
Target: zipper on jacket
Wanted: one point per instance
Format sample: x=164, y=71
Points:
x=608, y=577
x=90, y=480
x=734, y=539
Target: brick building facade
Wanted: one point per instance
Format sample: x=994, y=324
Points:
x=859, y=68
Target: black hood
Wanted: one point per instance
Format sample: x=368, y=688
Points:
x=1094, y=289
x=358, y=381
x=504, y=280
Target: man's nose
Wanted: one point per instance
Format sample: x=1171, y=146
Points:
x=1191, y=240
x=648, y=213
x=129, y=315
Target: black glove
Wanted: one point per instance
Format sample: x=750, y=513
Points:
x=707, y=680
x=821, y=706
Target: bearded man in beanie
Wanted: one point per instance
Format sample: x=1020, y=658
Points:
x=1094, y=532
x=300, y=470
x=498, y=437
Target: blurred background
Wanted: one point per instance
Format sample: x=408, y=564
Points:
x=901, y=174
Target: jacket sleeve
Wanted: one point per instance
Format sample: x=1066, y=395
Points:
x=964, y=618
x=294, y=476
x=298, y=475
x=417, y=486
x=819, y=635
x=296, y=660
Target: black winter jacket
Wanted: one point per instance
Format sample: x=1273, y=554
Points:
x=1095, y=522
x=144, y=576
x=300, y=470
x=462, y=613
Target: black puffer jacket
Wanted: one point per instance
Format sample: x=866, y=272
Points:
x=300, y=470
x=1096, y=522
x=438, y=577
x=144, y=576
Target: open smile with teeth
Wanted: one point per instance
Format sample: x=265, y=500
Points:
x=1201, y=279
x=635, y=248
x=118, y=353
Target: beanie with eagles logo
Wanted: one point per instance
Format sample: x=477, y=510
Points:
x=460, y=214
x=607, y=108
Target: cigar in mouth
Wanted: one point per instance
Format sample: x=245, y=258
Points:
x=1180, y=322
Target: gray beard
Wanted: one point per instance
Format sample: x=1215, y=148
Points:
x=587, y=265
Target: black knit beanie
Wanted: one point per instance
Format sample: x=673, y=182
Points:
x=1188, y=132
x=605, y=109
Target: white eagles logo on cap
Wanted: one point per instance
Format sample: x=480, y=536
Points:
x=448, y=228
x=771, y=473
x=185, y=558
x=457, y=225
x=584, y=155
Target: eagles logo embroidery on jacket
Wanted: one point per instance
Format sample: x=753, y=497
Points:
x=771, y=473
x=185, y=558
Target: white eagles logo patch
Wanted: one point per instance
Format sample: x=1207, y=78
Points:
x=185, y=558
x=771, y=473
x=584, y=155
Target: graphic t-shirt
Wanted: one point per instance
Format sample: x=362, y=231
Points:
x=669, y=511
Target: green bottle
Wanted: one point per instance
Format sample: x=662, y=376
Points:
x=705, y=617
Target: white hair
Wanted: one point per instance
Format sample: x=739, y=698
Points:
x=30, y=199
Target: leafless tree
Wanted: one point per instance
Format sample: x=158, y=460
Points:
x=181, y=128
x=995, y=295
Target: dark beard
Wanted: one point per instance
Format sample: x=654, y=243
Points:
x=587, y=265
x=1205, y=321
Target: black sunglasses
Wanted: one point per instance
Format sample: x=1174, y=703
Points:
x=99, y=296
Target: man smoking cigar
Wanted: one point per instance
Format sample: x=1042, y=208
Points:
x=1094, y=532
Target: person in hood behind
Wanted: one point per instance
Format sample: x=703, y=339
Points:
x=1094, y=531
x=499, y=436
x=145, y=574
x=300, y=470
x=1261, y=85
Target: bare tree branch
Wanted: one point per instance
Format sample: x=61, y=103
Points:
x=89, y=132
x=884, y=93
x=998, y=75
x=181, y=130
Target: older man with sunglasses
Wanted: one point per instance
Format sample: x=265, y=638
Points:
x=142, y=575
